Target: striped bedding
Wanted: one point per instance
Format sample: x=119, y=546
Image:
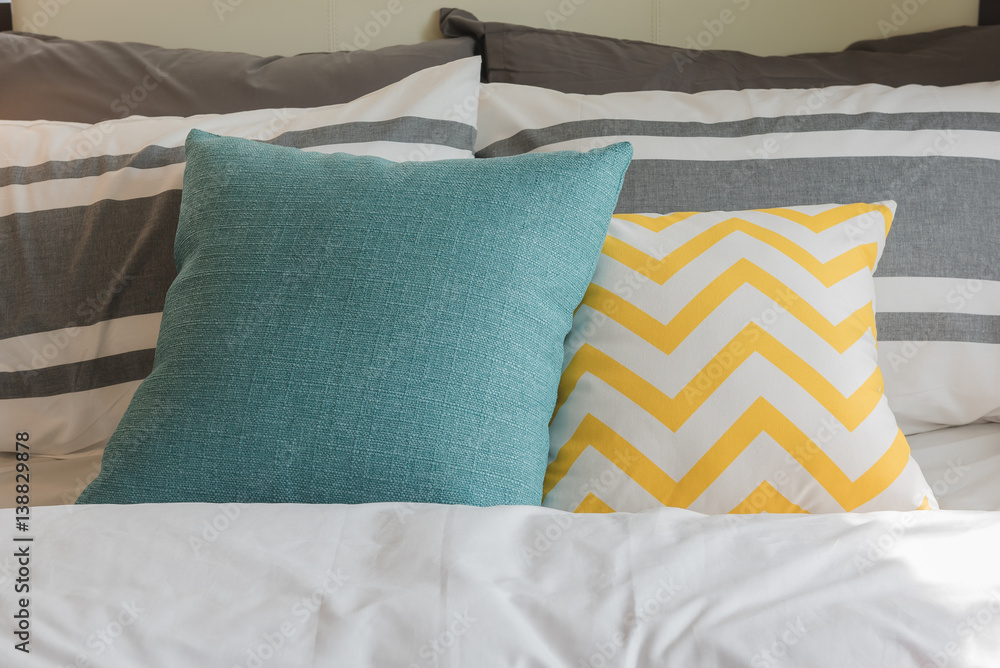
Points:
x=87, y=221
x=935, y=151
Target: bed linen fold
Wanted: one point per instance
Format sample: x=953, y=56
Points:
x=426, y=585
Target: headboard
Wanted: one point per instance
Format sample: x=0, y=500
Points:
x=266, y=27
x=989, y=12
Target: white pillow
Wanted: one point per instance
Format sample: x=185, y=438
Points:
x=935, y=151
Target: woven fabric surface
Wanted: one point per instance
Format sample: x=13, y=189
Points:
x=934, y=151
x=344, y=329
x=725, y=362
x=88, y=215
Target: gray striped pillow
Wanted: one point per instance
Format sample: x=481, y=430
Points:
x=87, y=222
x=936, y=151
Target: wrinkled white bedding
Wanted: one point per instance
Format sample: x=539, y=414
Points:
x=409, y=585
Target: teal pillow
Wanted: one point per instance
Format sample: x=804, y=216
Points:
x=345, y=329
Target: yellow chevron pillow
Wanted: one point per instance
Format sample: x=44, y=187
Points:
x=725, y=362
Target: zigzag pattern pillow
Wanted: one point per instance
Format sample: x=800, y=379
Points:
x=935, y=151
x=726, y=362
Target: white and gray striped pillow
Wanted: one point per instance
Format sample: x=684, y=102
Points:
x=936, y=151
x=87, y=222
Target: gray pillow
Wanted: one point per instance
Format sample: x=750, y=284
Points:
x=89, y=82
x=577, y=63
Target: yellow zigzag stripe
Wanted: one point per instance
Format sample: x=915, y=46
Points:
x=760, y=418
x=815, y=223
x=765, y=499
x=657, y=224
x=592, y=504
x=667, y=337
x=673, y=412
x=834, y=216
x=661, y=271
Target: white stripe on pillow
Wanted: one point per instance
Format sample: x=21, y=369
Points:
x=87, y=220
x=934, y=150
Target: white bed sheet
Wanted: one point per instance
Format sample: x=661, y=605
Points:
x=407, y=585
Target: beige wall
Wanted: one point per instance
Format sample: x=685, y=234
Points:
x=292, y=26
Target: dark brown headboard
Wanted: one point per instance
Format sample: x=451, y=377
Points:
x=989, y=12
x=6, y=23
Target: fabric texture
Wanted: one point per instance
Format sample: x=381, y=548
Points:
x=88, y=215
x=725, y=362
x=345, y=329
x=386, y=585
x=935, y=151
x=90, y=82
x=578, y=63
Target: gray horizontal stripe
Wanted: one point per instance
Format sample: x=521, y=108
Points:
x=77, y=377
x=76, y=266
x=528, y=140
x=947, y=224
x=73, y=267
x=407, y=129
x=150, y=157
x=961, y=327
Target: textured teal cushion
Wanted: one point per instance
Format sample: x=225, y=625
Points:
x=345, y=329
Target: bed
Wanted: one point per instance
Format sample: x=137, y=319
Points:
x=334, y=359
